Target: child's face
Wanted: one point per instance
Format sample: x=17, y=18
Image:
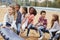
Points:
x=23, y=11
x=31, y=10
x=17, y=8
x=53, y=17
x=10, y=10
x=43, y=14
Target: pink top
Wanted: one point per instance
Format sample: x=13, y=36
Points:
x=30, y=18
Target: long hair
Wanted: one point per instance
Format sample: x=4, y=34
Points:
x=14, y=13
x=53, y=20
x=34, y=10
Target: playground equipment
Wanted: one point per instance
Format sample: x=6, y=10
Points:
x=8, y=34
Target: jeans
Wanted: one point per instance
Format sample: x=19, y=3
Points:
x=56, y=37
x=30, y=26
x=18, y=28
x=1, y=24
x=52, y=34
x=42, y=30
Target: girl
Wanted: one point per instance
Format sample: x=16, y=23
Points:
x=55, y=26
x=9, y=17
x=24, y=21
x=30, y=17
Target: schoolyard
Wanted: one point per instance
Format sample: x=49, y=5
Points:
x=33, y=35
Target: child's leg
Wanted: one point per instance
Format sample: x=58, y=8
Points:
x=56, y=37
x=46, y=31
x=41, y=34
x=52, y=34
x=30, y=27
x=41, y=29
x=18, y=28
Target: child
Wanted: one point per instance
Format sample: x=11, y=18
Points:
x=55, y=26
x=24, y=20
x=32, y=13
x=9, y=17
x=42, y=24
x=24, y=12
x=19, y=16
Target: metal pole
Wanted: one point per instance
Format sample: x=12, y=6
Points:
x=35, y=2
x=47, y=3
x=1, y=2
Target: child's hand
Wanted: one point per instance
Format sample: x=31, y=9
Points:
x=38, y=24
x=41, y=23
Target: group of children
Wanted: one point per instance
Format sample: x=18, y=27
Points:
x=20, y=20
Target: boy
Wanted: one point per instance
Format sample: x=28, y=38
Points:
x=18, y=20
x=42, y=24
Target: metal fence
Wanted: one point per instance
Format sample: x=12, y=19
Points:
x=7, y=2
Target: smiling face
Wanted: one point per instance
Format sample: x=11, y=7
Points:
x=55, y=17
x=43, y=15
x=31, y=11
x=17, y=7
x=10, y=10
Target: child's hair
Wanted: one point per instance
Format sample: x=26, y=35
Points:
x=34, y=10
x=56, y=19
x=43, y=12
x=12, y=6
x=14, y=14
x=25, y=9
x=17, y=5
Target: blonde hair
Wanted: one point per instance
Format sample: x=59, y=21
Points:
x=14, y=13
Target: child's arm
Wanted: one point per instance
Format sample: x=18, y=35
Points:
x=24, y=20
x=45, y=23
x=5, y=19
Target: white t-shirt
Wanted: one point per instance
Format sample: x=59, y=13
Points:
x=8, y=18
x=55, y=27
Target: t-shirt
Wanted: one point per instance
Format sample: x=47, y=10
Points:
x=8, y=18
x=41, y=19
x=30, y=18
x=19, y=16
